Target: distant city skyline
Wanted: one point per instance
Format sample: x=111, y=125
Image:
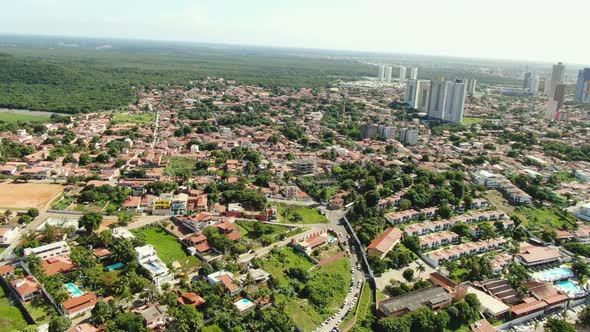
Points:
x=490, y=30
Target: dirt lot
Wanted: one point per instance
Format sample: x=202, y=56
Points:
x=27, y=195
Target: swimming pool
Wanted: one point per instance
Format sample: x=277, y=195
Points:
x=154, y=266
x=567, y=286
x=115, y=266
x=559, y=273
x=74, y=290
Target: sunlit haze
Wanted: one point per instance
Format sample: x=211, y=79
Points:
x=508, y=29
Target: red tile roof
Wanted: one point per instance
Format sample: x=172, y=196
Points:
x=387, y=240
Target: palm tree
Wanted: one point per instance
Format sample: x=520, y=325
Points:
x=420, y=269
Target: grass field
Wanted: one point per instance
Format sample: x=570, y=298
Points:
x=27, y=195
x=470, y=120
x=40, y=310
x=13, y=117
x=303, y=314
x=273, y=233
x=124, y=117
x=11, y=318
x=169, y=249
x=285, y=257
x=310, y=215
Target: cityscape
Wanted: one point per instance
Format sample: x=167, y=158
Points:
x=192, y=186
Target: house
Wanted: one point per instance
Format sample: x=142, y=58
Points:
x=8, y=233
x=403, y=216
x=534, y=255
x=258, y=275
x=192, y=299
x=178, y=205
x=79, y=305
x=154, y=316
x=196, y=222
x=7, y=271
x=49, y=250
x=228, y=228
x=84, y=327
x=385, y=242
x=244, y=305
x=122, y=233
x=227, y=278
x=314, y=241
x=482, y=326
x=57, y=265
x=434, y=298
x=27, y=288
x=438, y=239
x=8, y=169
x=149, y=260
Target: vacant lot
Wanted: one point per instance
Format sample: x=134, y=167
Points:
x=470, y=120
x=121, y=117
x=27, y=195
x=11, y=318
x=295, y=214
x=169, y=249
x=13, y=116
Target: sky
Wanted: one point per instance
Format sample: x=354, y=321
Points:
x=536, y=30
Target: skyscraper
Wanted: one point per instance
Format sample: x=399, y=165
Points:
x=559, y=95
x=455, y=104
x=526, y=83
x=414, y=73
x=534, y=84
x=557, y=76
x=583, y=86
x=438, y=98
x=412, y=93
x=388, y=70
x=471, y=85
x=402, y=75
x=423, y=96
x=381, y=73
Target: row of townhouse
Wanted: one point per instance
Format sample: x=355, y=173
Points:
x=471, y=248
x=436, y=240
x=500, y=182
x=167, y=203
x=424, y=228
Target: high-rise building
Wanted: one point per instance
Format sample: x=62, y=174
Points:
x=559, y=96
x=412, y=93
x=414, y=73
x=557, y=76
x=438, y=98
x=455, y=104
x=534, y=84
x=471, y=85
x=381, y=73
x=583, y=86
x=402, y=75
x=526, y=83
x=552, y=110
x=423, y=96
x=408, y=136
x=388, y=71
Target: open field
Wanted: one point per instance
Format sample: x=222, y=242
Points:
x=169, y=249
x=470, y=120
x=309, y=215
x=27, y=195
x=7, y=115
x=124, y=117
x=11, y=318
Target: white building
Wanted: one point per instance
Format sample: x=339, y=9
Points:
x=388, y=74
x=423, y=96
x=414, y=73
x=122, y=233
x=438, y=98
x=455, y=102
x=149, y=260
x=471, y=85
x=412, y=93
x=8, y=233
x=551, y=110
x=408, y=136
x=381, y=76
x=402, y=75
x=49, y=250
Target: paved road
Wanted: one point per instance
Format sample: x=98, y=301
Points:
x=292, y=202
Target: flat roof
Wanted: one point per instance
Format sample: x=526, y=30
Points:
x=489, y=303
x=411, y=301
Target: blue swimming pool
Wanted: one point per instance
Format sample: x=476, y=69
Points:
x=74, y=290
x=154, y=266
x=115, y=266
x=244, y=301
x=559, y=273
x=567, y=286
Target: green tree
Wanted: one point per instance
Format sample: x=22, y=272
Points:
x=186, y=318
x=59, y=324
x=558, y=325
x=90, y=221
x=408, y=274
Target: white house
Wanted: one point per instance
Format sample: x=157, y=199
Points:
x=149, y=260
x=49, y=250
x=7, y=233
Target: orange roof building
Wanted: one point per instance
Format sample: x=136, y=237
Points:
x=385, y=242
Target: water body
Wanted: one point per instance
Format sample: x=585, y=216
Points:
x=17, y=111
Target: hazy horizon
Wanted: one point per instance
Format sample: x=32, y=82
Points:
x=502, y=30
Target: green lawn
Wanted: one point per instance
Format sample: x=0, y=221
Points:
x=470, y=120
x=282, y=259
x=261, y=234
x=13, y=117
x=12, y=318
x=169, y=249
x=178, y=166
x=303, y=315
x=124, y=117
x=544, y=217
x=40, y=310
x=309, y=215
x=364, y=303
